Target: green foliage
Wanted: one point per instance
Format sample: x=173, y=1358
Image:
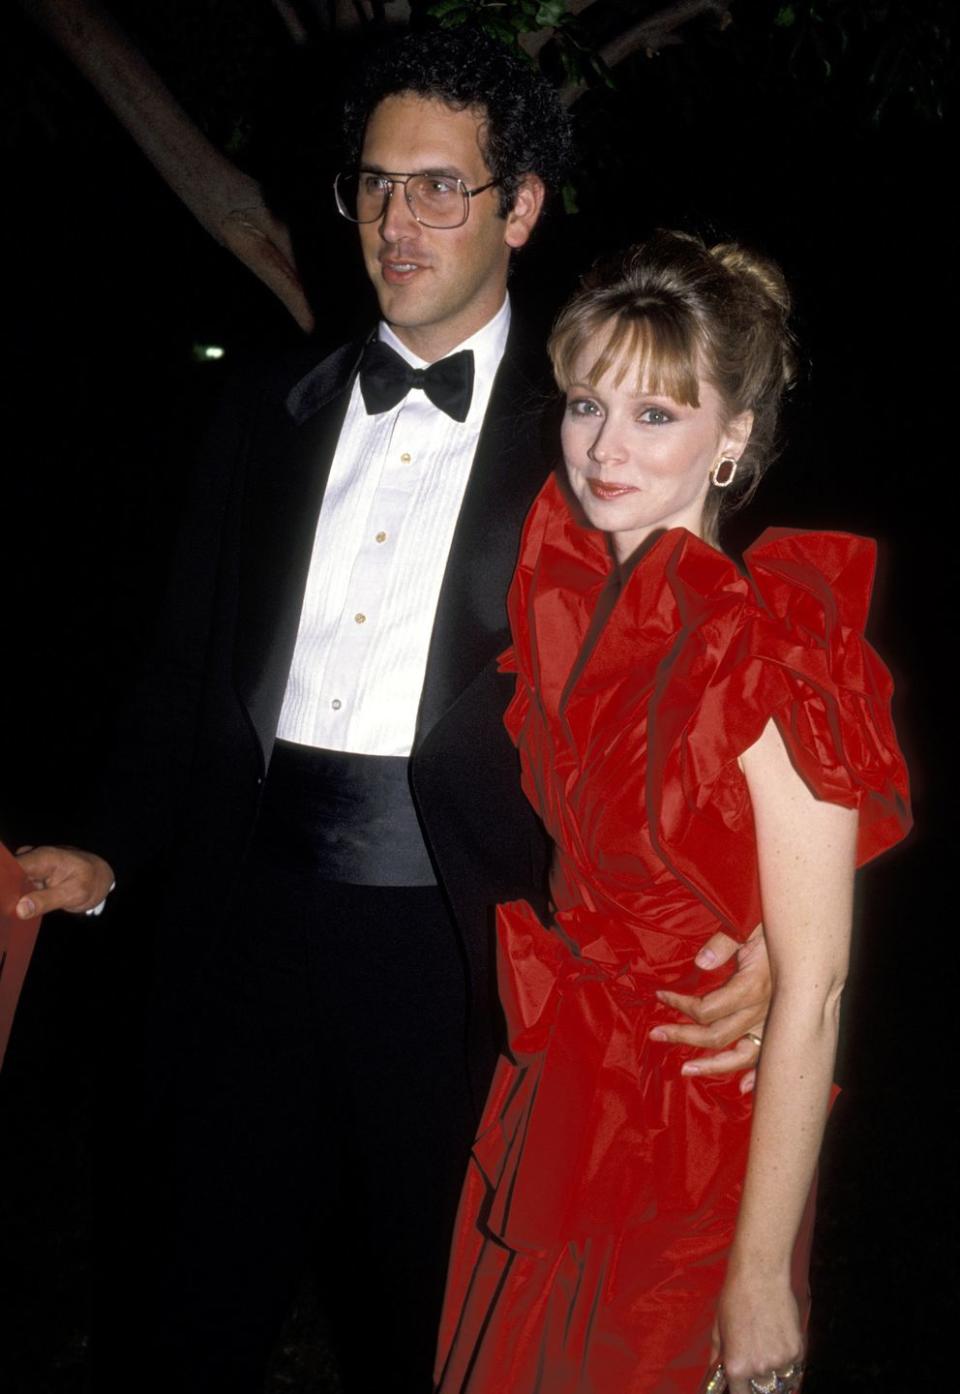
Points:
x=506, y=20
x=891, y=52
x=551, y=13
x=571, y=202
x=573, y=51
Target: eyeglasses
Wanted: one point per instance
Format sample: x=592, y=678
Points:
x=435, y=200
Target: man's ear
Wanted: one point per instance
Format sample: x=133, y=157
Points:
x=527, y=207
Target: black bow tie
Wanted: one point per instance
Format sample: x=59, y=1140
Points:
x=386, y=378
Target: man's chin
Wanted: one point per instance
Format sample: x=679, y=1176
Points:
x=402, y=307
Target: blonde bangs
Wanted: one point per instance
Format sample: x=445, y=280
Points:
x=649, y=343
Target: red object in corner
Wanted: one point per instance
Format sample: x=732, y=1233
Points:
x=17, y=940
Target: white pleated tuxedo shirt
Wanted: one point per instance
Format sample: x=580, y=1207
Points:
x=391, y=505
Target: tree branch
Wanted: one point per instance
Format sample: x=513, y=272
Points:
x=224, y=200
x=653, y=33
x=660, y=28
x=291, y=21
x=533, y=43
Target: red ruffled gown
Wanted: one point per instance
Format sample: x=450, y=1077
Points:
x=603, y=1189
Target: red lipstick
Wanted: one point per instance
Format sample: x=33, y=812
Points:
x=600, y=489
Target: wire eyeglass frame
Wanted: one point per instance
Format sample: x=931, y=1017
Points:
x=390, y=181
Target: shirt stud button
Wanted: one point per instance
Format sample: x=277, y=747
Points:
x=360, y=619
x=381, y=537
x=336, y=704
x=405, y=458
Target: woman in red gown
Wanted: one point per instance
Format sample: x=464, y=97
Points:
x=707, y=747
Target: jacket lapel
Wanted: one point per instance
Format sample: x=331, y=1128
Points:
x=290, y=463
x=510, y=465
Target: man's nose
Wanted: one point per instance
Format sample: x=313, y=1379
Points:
x=397, y=220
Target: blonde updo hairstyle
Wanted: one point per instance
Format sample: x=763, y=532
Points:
x=673, y=311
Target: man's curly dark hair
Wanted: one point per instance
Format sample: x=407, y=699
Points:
x=527, y=131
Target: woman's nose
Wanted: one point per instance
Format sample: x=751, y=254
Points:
x=607, y=447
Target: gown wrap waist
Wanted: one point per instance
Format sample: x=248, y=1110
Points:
x=617, y=1133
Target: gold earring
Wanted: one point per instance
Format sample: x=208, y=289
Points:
x=723, y=472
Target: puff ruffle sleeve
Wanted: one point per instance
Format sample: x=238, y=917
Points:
x=789, y=648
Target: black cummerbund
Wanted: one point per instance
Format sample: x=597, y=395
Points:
x=346, y=817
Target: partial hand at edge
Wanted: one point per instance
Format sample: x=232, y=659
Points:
x=65, y=878
x=722, y=1018
x=757, y=1331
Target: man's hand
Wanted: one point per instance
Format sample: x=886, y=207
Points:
x=725, y=1017
x=65, y=879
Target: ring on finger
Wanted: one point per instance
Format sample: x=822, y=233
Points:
x=768, y=1384
x=717, y=1383
x=756, y=1038
x=785, y=1381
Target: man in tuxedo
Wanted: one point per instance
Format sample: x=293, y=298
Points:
x=314, y=775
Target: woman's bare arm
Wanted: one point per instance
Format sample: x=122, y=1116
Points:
x=806, y=854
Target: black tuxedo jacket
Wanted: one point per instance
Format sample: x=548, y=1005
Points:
x=182, y=793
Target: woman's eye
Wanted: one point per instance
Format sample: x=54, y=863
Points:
x=582, y=406
x=655, y=416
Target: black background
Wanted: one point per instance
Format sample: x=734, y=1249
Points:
x=109, y=286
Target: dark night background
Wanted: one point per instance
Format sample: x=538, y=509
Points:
x=110, y=284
